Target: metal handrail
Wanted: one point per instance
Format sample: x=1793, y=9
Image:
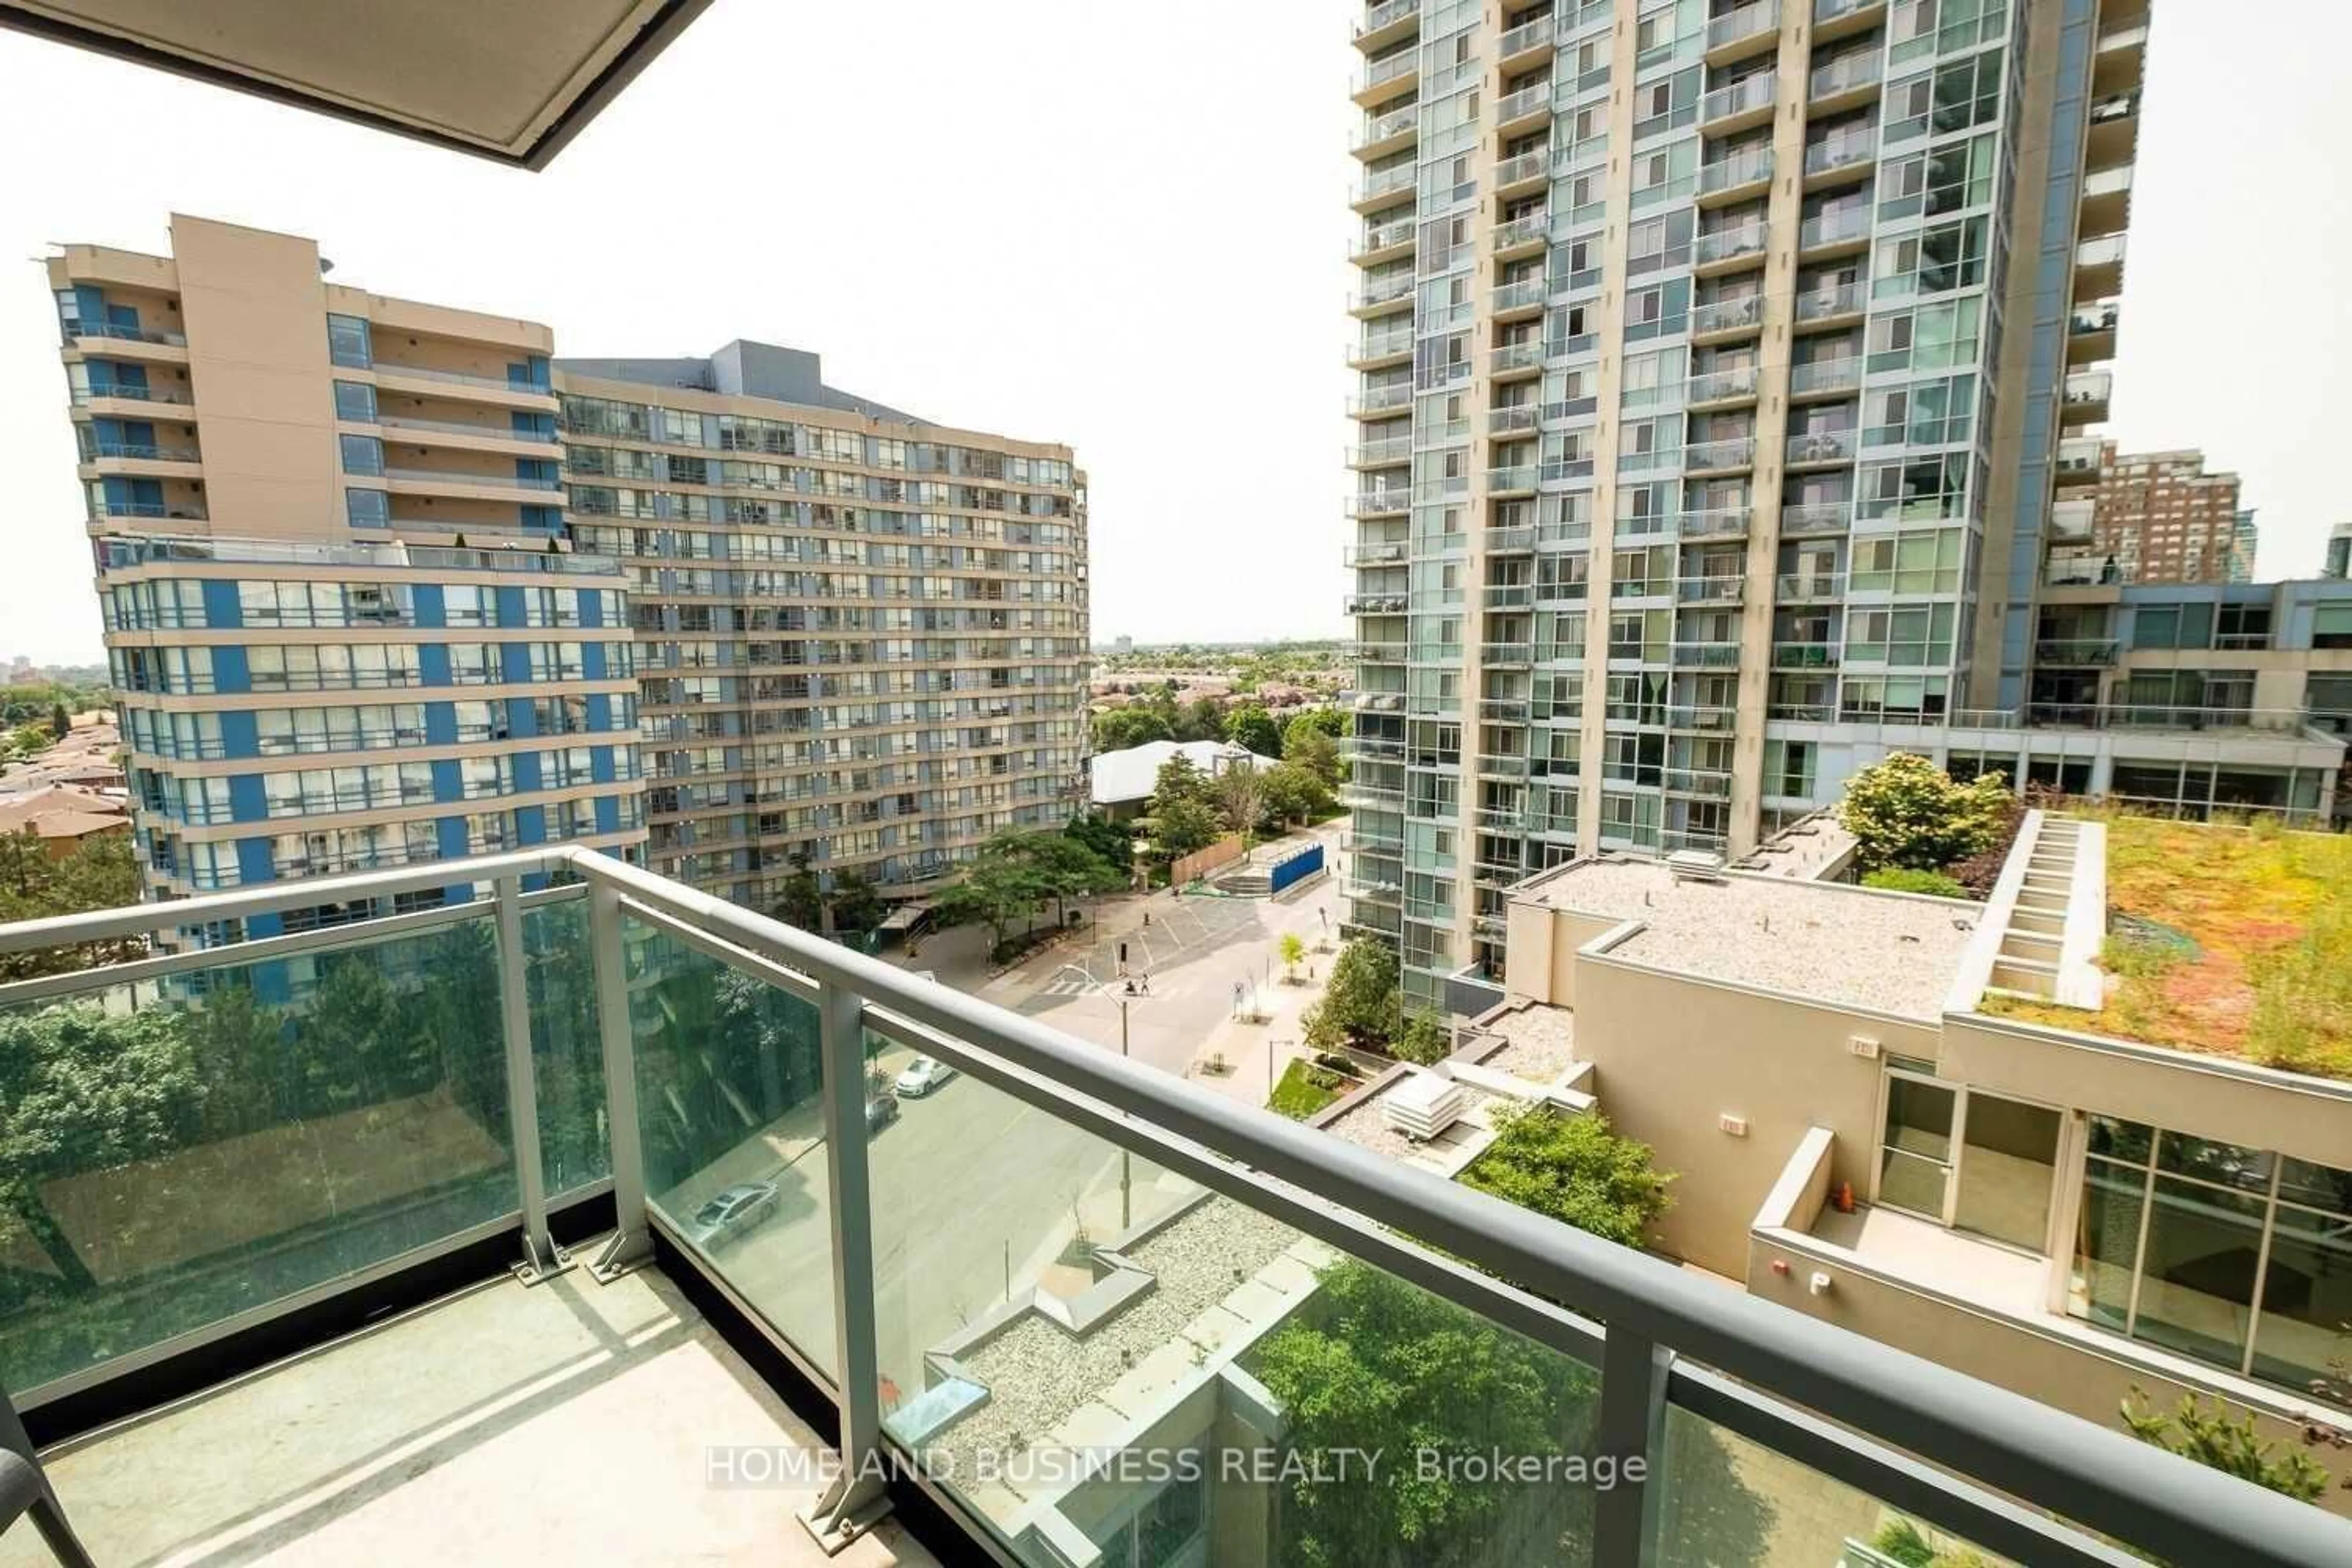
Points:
x=1538, y=1273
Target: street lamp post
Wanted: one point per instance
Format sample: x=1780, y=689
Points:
x=1125, y=1160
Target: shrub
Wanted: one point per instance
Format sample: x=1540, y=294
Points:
x=1900, y=880
x=1906, y=811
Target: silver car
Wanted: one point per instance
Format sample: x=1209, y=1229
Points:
x=730, y=1212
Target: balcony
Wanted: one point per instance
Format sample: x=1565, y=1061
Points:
x=1517, y=479
x=1707, y=655
x=1740, y=174
x=1835, y=18
x=1381, y=351
x=114, y=396
x=1805, y=656
x=1727, y=455
x=1844, y=82
x=1390, y=652
x=2084, y=400
x=1384, y=296
x=1383, y=187
x=1381, y=134
x=427, y=381
x=1385, y=24
x=1386, y=77
x=1512, y=419
x=1523, y=110
x=1716, y=522
x=1837, y=157
x=135, y=456
x=1712, y=720
x=2091, y=333
x=1741, y=30
x=1523, y=43
x=469, y=483
x=1822, y=449
x=1390, y=503
x=1708, y=783
x=2078, y=461
x=1743, y=103
x=1723, y=318
x=1383, y=242
x=1719, y=589
x=1516, y=360
x=1808, y=587
x=1724, y=248
x=1816, y=517
x=2081, y=653
x=1828, y=232
x=1375, y=401
x=1825, y=377
x=1516, y=301
x=1722, y=386
x=1507, y=655
x=1380, y=454
x=1523, y=173
x=1373, y=605
x=1522, y=234
x=488, y=1080
x=2105, y=206
x=2099, y=268
x=1507, y=596
x=1838, y=302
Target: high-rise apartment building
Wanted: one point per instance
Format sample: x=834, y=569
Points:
x=345, y=626
x=368, y=602
x=1720, y=363
x=863, y=638
x=2159, y=517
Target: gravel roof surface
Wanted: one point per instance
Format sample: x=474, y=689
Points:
x=1827, y=942
x=1037, y=1373
x=1363, y=1125
x=1542, y=1042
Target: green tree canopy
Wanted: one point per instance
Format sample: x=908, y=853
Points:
x=1906, y=812
x=1361, y=1005
x=1113, y=843
x=857, y=905
x=1376, y=1363
x=1240, y=790
x=1251, y=725
x=1574, y=1169
x=1294, y=793
x=1184, y=827
x=102, y=873
x=801, y=902
x=1116, y=729
x=1203, y=719
x=1312, y=751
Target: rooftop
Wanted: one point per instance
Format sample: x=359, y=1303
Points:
x=2229, y=940
x=1133, y=773
x=1853, y=947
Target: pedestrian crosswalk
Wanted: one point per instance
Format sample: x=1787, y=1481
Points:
x=1071, y=985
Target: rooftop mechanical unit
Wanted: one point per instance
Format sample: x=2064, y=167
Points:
x=1423, y=1105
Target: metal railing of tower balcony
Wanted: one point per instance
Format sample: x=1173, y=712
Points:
x=1841, y=150
x=129, y=334
x=1743, y=22
x=1832, y=228
x=462, y=378
x=1844, y=73
x=459, y=428
x=1918, y=1435
x=461, y=477
x=142, y=452
x=1744, y=167
x=1383, y=15
x=1379, y=128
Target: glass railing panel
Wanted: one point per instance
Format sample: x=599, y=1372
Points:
x=1094, y=1353
x=732, y=1124
x=179, y=1150
x=1722, y=1497
x=567, y=1052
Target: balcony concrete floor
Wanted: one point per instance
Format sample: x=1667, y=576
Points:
x=564, y=1423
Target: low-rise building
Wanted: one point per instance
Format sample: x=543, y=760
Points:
x=63, y=816
x=1123, y=781
x=2051, y=1150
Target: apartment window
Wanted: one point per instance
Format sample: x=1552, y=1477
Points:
x=1967, y=1159
x=2172, y=626
x=355, y=401
x=367, y=509
x=1933, y=261
x=362, y=455
x=1930, y=414
x=2331, y=625
x=2244, y=626
x=347, y=341
x=2232, y=1254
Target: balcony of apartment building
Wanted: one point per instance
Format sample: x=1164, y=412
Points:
x=145, y=500
x=1737, y=30
x=1526, y=104
x=1730, y=240
x=1735, y=171
x=1382, y=346
x=1522, y=229
x=1841, y=150
x=1822, y=436
x=1840, y=80
x=1827, y=368
x=1727, y=309
x=2091, y=333
x=1385, y=447
x=1381, y=399
x=2119, y=56
x=1384, y=182
x=108, y=387
x=1527, y=40
x=1832, y=224
x=1525, y=167
x=1721, y=379
x=1385, y=238
x=1521, y=294
x=1806, y=639
x=132, y=328
x=153, y=447
x=454, y=370
x=2099, y=268
x=1387, y=72
x=1832, y=298
x=1841, y=19
x=1384, y=23
x=414, y=468
x=1719, y=445
x=1384, y=293
x=2112, y=139
x=2084, y=397
x=1388, y=127
x=2105, y=207
x=1739, y=100
x=2077, y=462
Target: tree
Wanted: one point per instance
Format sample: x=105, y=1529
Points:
x=1294, y=793
x=2213, y=1438
x=1184, y=827
x=1116, y=729
x=1203, y=719
x=1373, y=1364
x=1424, y=1038
x=1311, y=749
x=800, y=902
x=1330, y=721
x=1290, y=949
x=60, y=721
x=856, y=906
x=1906, y=812
x=1177, y=780
x=1240, y=796
x=1361, y=1004
x=1113, y=843
x=1252, y=726
x=994, y=890
x=102, y=873
x=1064, y=867
x=1160, y=701
x=1575, y=1170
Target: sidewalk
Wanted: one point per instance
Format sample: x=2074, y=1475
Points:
x=1255, y=1055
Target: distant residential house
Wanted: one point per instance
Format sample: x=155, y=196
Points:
x=62, y=815
x=1123, y=781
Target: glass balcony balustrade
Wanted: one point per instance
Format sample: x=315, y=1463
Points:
x=1029, y=1251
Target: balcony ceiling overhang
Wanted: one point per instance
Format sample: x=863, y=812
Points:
x=511, y=80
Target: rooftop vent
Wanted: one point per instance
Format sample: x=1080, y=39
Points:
x=1694, y=865
x=1423, y=1105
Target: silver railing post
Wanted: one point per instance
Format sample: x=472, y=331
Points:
x=541, y=1258
x=856, y=1497
x=630, y=1244
x=1632, y=1424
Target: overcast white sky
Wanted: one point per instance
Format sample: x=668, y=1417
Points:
x=1120, y=227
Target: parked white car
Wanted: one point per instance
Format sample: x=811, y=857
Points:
x=923, y=1075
